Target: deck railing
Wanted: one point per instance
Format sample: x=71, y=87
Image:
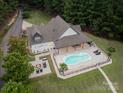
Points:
x=86, y=68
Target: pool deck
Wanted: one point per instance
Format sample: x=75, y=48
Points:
x=80, y=67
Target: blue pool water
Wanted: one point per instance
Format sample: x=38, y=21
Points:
x=76, y=58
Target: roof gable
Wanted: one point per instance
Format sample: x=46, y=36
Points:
x=56, y=27
x=68, y=32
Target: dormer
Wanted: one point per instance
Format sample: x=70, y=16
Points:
x=37, y=37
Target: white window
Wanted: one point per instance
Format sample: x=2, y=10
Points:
x=37, y=38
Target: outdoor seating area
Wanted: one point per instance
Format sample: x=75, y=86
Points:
x=41, y=67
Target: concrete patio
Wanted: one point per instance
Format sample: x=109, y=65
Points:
x=81, y=67
x=45, y=70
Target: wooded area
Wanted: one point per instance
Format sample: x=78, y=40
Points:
x=7, y=7
x=103, y=18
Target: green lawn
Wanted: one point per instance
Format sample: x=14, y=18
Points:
x=115, y=70
x=38, y=17
x=90, y=82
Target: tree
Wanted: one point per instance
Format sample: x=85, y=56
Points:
x=16, y=67
x=57, y=6
x=14, y=87
x=63, y=67
x=25, y=14
x=48, y=5
x=17, y=44
x=6, y=8
x=110, y=50
x=104, y=17
x=77, y=11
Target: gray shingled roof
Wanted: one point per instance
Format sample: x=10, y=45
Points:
x=53, y=30
x=73, y=39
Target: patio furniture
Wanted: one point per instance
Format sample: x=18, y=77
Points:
x=90, y=44
x=44, y=65
x=43, y=59
x=41, y=70
x=98, y=53
x=37, y=71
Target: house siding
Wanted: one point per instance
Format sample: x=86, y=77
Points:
x=43, y=47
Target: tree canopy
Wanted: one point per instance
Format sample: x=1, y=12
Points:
x=104, y=17
x=16, y=67
x=16, y=63
x=14, y=87
x=17, y=44
x=6, y=8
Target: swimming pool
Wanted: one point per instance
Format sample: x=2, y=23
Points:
x=76, y=58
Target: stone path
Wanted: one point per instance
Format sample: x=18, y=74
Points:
x=108, y=80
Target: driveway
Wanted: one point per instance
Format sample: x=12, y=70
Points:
x=14, y=31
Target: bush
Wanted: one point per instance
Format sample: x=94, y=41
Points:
x=63, y=67
x=26, y=14
x=15, y=87
x=111, y=49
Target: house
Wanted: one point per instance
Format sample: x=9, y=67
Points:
x=55, y=35
x=67, y=44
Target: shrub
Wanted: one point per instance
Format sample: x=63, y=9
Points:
x=26, y=14
x=63, y=67
x=111, y=49
x=15, y=87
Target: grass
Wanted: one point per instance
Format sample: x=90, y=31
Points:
x=115, y=70
x=38, y=17
x=90, y=82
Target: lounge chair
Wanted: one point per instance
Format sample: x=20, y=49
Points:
x=43, y=59
x=96, y=51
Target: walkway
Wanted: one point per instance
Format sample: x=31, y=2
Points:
x=108, y=80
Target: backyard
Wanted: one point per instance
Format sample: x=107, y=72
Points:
x=90, y=82
x=38, y=17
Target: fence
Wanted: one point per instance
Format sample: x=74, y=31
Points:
x=86, y=68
